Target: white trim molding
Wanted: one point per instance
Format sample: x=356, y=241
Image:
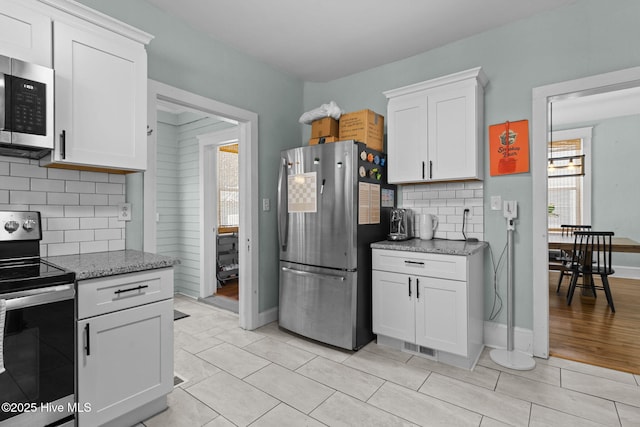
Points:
x=248, y=233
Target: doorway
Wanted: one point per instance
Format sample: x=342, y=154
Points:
x=542, y=97
x=247, y=133
x=220, y=215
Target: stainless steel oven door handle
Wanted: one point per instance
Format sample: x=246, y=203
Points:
x=39, y=296
x=310, y=274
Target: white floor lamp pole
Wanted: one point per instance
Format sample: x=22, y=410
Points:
x=510, y=358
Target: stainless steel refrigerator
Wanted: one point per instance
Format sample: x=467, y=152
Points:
x=333, y=201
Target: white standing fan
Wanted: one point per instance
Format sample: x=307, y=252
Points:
x=510, y=358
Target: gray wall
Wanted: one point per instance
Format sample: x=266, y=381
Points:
x=583, y=39
x=184, y=58
x=616, y=197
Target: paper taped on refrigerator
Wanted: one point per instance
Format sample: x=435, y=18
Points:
x=302, y=193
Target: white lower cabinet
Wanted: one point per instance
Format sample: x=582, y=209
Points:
x=124, y=355
x=432, y=301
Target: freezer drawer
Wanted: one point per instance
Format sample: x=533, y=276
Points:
x=319, y=303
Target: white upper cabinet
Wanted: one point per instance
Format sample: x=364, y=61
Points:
x=25, y=33
x=435, y=129
x=101, y=103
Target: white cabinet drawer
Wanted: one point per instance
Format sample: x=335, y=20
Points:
x=104, y=295
x=452, y=267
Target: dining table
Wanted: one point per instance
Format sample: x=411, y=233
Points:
x=618, y=244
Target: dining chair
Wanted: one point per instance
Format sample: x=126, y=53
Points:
x=591, y=256
x=560, y=260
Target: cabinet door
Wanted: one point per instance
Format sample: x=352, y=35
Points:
x=101, y=89
x=441, y=314
x=393, y=297
x=407, y=138
x=452, y=147
x=24, y=33
x=125, y=360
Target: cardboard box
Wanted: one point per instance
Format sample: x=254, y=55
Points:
x=364, y=126
x=327, y=126
x=327, y=139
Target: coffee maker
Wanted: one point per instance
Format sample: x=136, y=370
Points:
x=400, y=224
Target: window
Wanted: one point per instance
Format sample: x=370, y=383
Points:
x=566, y=189
x=228, y=186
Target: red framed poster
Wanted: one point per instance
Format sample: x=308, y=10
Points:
x=509, y=155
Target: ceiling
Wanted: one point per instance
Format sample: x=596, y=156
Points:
x=322, y=40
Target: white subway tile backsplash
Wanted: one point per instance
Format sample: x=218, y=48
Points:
x=79, y=211
x=14, y=183
x=49, y=211
x=116, y=245
x=447, y=201
x=117, y=178
x=63, y=199
x=63, y=223
x=27, y=197
x=94, y=176
x=105, y=188
x=94, y=199
x=27, y=170
x=108, y=234
x=94, y=223
x=38, y=184
x=116, y=199
x=55, y=249
x=95, y=246
x=52, y=237
x=79, y=236
x=64, y=174
x=80, y=187
x=76, y=216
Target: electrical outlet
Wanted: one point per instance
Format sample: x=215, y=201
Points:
x=124, y=212
x=266, y=204
x=469, y=212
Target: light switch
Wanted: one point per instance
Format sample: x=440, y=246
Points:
x=496, y=203
x=266, y=205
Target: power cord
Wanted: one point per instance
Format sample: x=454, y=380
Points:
x=496, y=297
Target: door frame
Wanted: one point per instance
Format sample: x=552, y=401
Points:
x=208, y=144
x=248, y=236
x=540, y=134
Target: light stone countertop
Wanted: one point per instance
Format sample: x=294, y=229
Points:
x=103, y=264
x=435, y=246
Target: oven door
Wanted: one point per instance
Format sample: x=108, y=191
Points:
x=37, y=386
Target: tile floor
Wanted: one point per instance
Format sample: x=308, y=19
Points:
x=269, y=377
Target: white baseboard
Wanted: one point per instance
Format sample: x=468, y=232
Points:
x=625, y=272
x=268, y=316
x=495, y=335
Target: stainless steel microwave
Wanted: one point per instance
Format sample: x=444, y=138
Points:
x=26, y=109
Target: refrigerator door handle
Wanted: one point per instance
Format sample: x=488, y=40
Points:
x=310, y=274
x=283, y=215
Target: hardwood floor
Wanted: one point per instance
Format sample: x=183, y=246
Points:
x=229, y=290
x=587, y=331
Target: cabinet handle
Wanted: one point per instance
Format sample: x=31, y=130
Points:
x=422, y=170
x=88, y=346
x=409, y=287
x=63, y=144
x=430, y=169
x=417, y=288
x=122, y=291
x=414, y=262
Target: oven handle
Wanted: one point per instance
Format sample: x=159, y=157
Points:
x=39, y=296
